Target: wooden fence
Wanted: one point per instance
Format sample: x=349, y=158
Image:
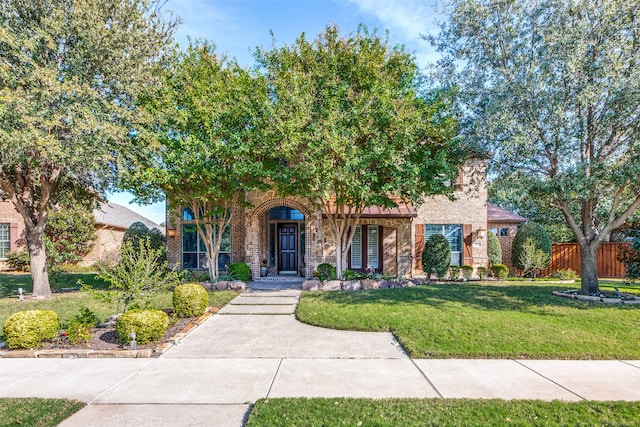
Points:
x=567, y=255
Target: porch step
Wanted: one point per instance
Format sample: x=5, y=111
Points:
x=259, y=301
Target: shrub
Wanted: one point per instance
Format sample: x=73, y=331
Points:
x=19, y=261
x=532, y=259
x=239, y=271
x=29, y=328
x=540, y=238
x=500, y=271
x=190, y=300
x=494, y=250
x=454, y=272
x=149, y=325
x=81, y=325
x=136, y=277
x=482, y=272
x=566, y=274
x=326, y=271
x=436, y=256
x=630, y=257
x=467, y=271
x=353, y=275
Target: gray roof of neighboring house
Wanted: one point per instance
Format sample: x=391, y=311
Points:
x=497, y=214
x=119, y=216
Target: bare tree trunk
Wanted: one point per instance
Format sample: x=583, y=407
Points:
x=589, y=265
x=38, y=263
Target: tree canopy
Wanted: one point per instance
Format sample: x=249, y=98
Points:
x=69, y=78
x=553, y=87
x=354, y=127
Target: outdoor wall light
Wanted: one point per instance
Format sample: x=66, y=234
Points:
x=171, y=232
x=481, y=232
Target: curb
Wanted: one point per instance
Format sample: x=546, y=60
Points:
x=110, y=354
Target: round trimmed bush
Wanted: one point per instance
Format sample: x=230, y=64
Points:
x=239, y=271
x=482, y=272
x=436, y=256
x=494, y=250
x=500, y=271
x=190, y=299
x=467, y=271
x=538, y=234
x=29, y=328
x=149, y=325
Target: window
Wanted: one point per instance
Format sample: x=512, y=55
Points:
x=453, y=233
x=5, y=240
x=372, y=247
x=494, y=231
x=356, y=248
x=194, y=253
x=365, y=248
x=504, y=232
x=285, y=213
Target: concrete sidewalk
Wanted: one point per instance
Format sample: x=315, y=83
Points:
x=255, y=351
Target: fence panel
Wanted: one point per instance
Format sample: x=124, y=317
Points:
x=567, y=255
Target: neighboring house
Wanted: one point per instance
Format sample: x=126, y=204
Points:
x=294, y=237
x=504, y=224
x=112, y=221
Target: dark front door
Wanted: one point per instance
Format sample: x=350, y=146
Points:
x=288, y=247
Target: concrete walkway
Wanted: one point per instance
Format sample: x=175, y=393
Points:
x=255, y=348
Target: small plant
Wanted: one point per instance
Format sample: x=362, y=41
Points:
x=149, y=325
x=136, y=277
x=195, y=276
x=326, y=271
x=80, y=327
x=436, y=256
x=349, y=275
x=467, y=271
x=239, y=271
x=482, y=272
x=532, y=258
x=19, y=261
x=454, y=272
x=190, y=300
x=566, y=274
x=500, y=271
x=29, y=328
x=541, y=241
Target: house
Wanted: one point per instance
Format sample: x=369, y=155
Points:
x=294, y=238
x=112, y=221
x=504, y=224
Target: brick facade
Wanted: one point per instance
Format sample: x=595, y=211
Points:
x=250, y=229
x=9, y=215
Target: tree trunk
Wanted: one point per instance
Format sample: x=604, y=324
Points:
x=589, y=263
x=38, y=263
x=339, y=257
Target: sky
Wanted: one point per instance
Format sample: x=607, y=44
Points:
x=237, y=27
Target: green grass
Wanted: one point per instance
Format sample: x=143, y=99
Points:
x=482, y=320
x=9, y=283
x=66, y=305
x=440, y=412
x=36, y=412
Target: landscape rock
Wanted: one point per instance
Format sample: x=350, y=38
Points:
x=351, y=285
x=222, y=285
x=367, y=284
x=332, y=285
x=237, y=285
x=311, y=285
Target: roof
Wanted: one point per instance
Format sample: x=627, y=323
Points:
x=497, y=214
x=119, y=216
x=403, y=210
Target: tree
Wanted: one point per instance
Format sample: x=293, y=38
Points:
x=69, y=76
x=70, y=234
x=136, y=234
x=436, y=257
x=531, y=258
x=522, y=256
x=209, y=155
x=494, y=250
x=354, y=129
x=554, y=87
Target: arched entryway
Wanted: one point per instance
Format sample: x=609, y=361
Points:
x=280, y=233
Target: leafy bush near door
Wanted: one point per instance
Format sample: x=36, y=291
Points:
x=239, y=271
x=326, y=271
x=436, y=256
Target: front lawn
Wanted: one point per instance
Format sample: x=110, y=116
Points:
x=440, y=412
x=36, y=412
x=482, y=320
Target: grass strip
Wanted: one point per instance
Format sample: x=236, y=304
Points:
x=482, y=320
x=440, y=412
x=36, y=412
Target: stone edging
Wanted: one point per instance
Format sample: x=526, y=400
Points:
x=104, y=354
x=573, y=295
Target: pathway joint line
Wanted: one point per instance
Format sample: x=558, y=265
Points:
x=273, y=378
x=630, y=364
x=549, y=379
x=151, y=360
x=35, y=373
x=427, y=378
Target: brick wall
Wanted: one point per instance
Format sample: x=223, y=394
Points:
x=506, y=242
x=106, y=248
x=9, y=215
x=469, y=208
